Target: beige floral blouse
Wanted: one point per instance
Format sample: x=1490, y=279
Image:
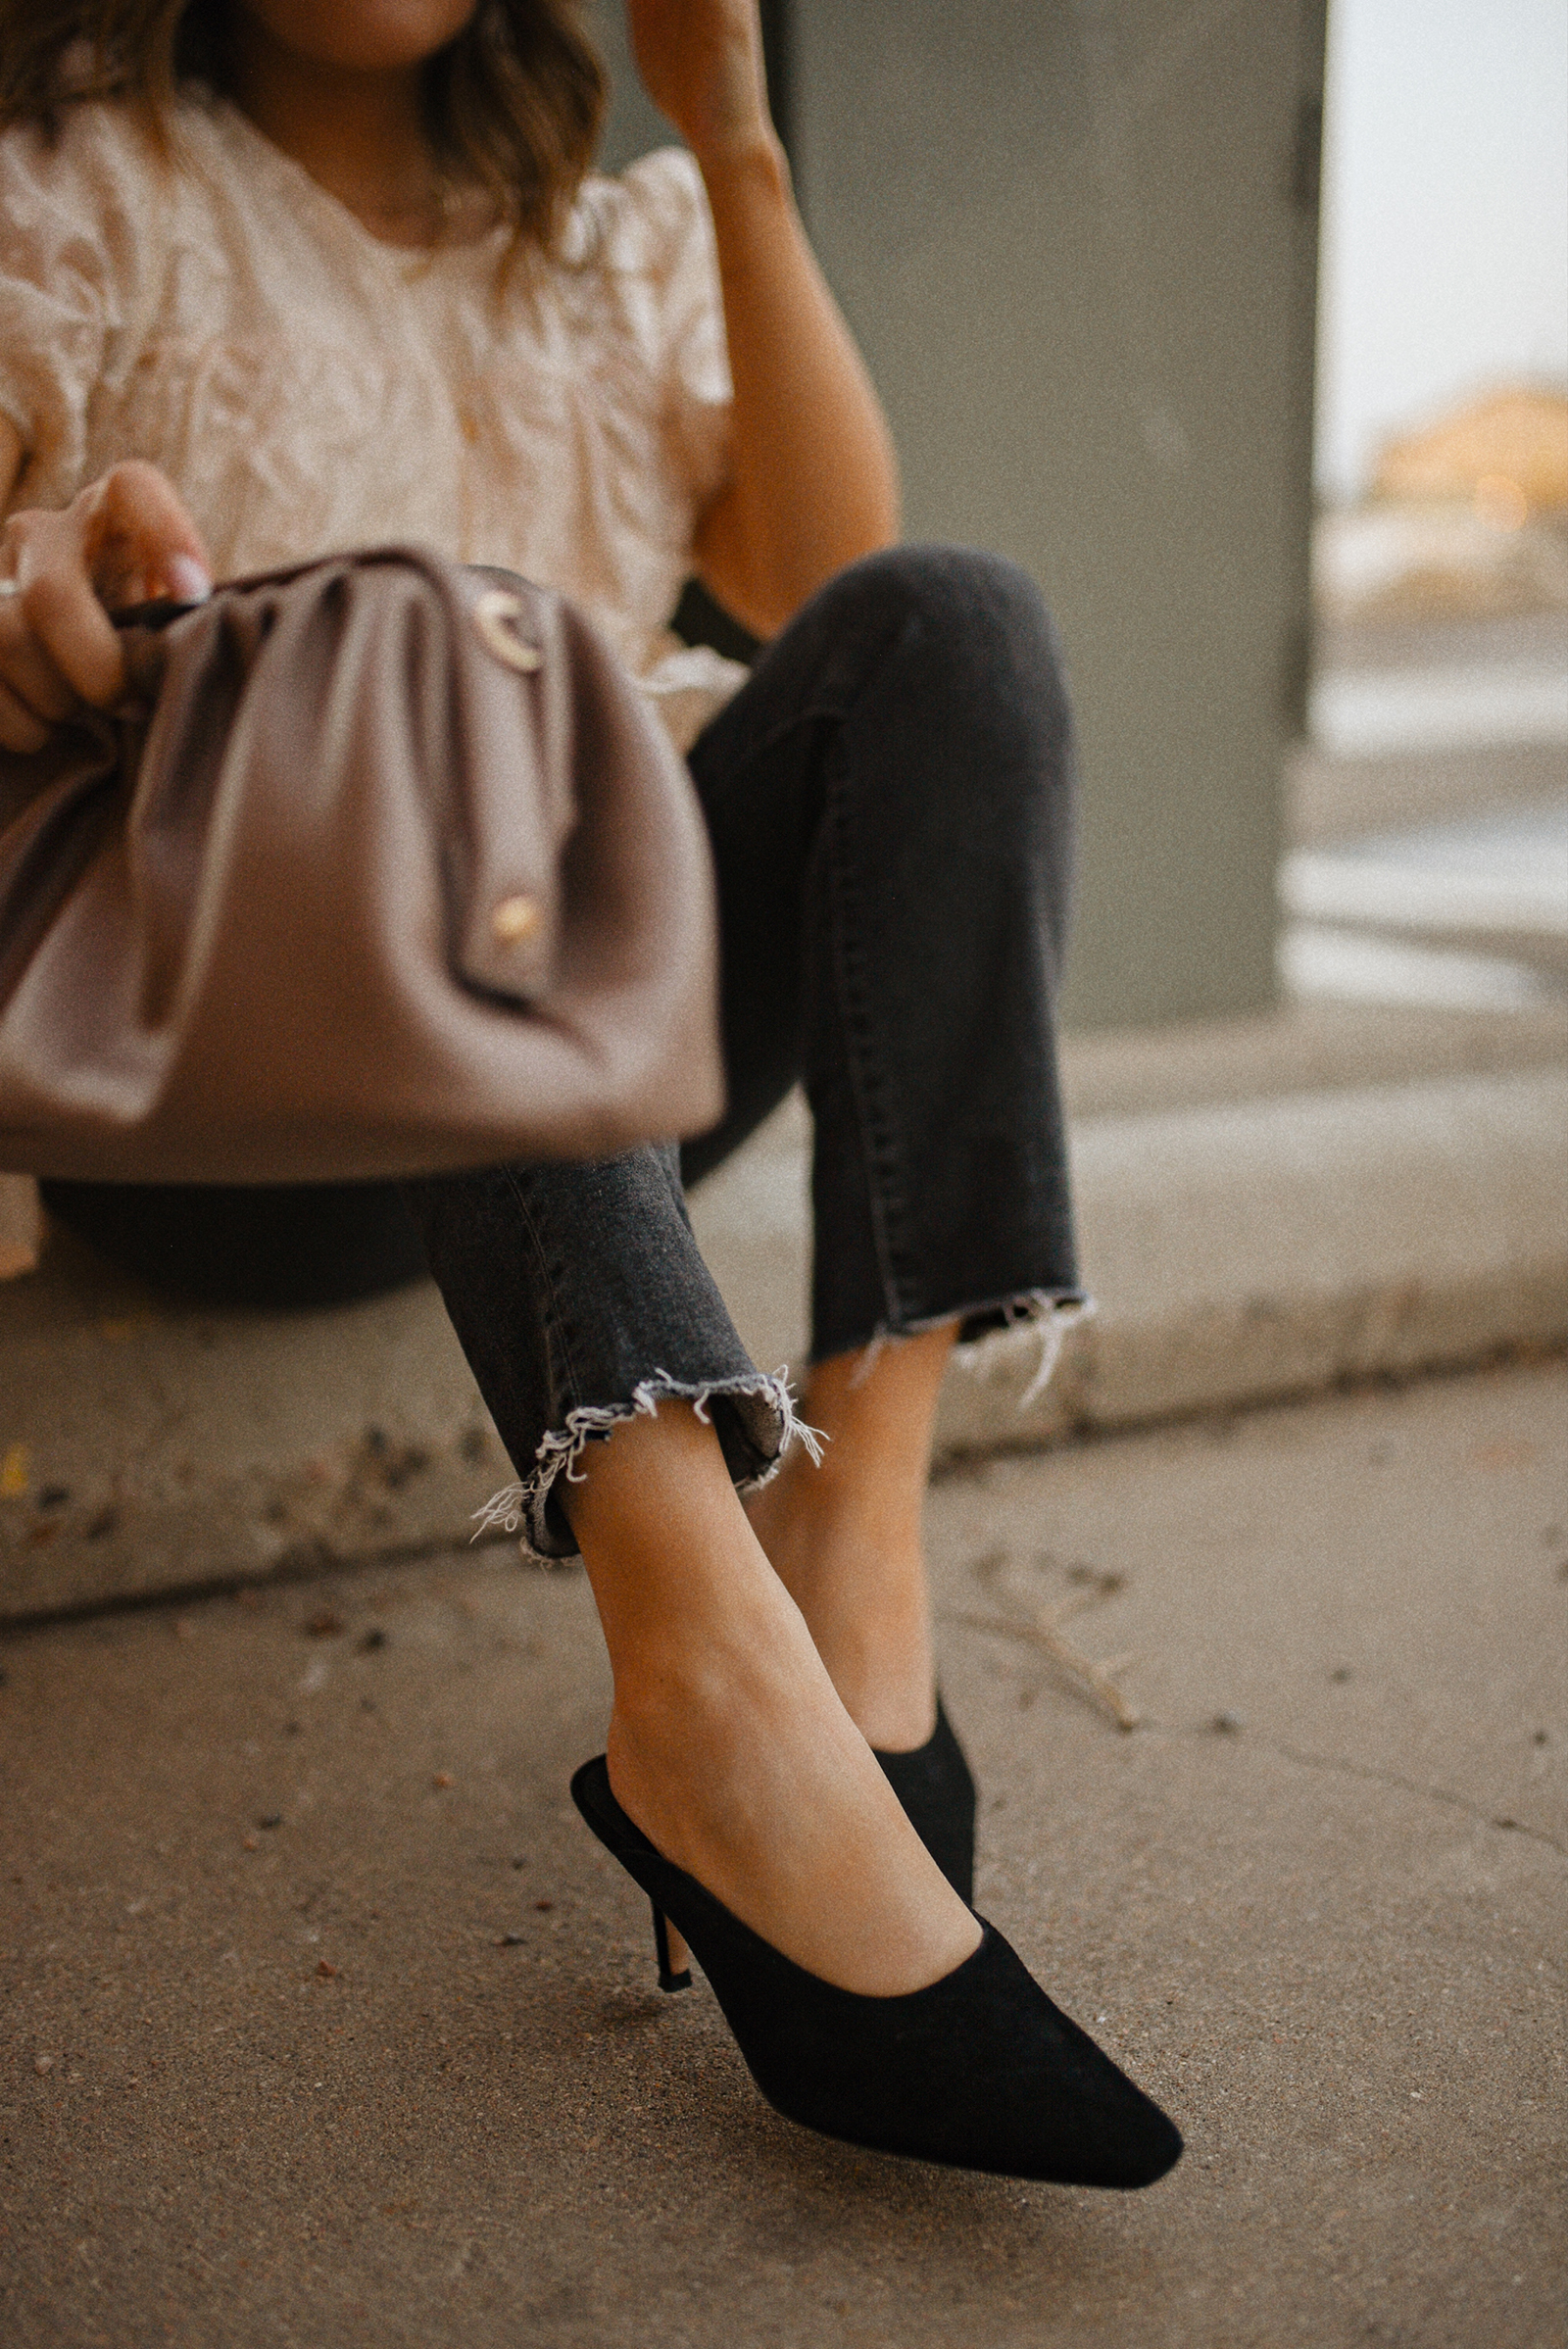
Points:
x=307, y=387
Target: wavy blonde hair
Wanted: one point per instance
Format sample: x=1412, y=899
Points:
x=514, y=103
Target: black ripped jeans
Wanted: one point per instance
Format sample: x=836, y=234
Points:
x=890, y=805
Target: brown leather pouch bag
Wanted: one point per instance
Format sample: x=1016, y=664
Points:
x=390, y=870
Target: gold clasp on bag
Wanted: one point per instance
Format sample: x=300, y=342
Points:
x=494, y=616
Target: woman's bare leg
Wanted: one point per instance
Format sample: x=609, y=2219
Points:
x=727, y=1744
x=845, y=1539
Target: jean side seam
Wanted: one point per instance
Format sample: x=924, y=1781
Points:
x=881, y=1179
x=551, y=1320
x=880, y=1159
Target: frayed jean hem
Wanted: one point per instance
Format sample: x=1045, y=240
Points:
x=762, y=1404
x=1049, y=1313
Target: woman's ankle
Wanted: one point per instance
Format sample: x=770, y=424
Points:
x=692, y=1683
x=860, y=1585
x=885, y=1678
x=847, y=1538
x=764, y=1792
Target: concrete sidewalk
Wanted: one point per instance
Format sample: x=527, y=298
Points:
x=326, y=2024
x=1267, y=1207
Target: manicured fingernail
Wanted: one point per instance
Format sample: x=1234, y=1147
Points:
x=186, y=580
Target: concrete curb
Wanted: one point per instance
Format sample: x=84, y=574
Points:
x=160, y=1448
x=1241, y=1254
x=1238, y=1253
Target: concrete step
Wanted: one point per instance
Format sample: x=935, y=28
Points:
x=1496, y=884
x=1267, y=1208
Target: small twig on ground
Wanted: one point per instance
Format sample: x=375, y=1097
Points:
x=1023, y=1620
x=1045, y=1633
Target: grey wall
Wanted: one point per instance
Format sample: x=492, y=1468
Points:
x=635, y=124
x=1078, y=245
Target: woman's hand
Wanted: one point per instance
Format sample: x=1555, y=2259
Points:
x=701, y=62
x=127, y=538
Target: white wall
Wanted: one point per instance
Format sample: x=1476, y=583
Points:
x=1445, y=264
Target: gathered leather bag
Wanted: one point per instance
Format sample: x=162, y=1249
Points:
x=386, y=868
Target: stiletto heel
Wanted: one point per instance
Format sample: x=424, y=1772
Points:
x=669, y=1979
x=934, y=1784
x=978, y=2070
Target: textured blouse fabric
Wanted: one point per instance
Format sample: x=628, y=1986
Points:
x=307, y=387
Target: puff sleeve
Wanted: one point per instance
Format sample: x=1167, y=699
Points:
x=76, y=215
x=664, y=191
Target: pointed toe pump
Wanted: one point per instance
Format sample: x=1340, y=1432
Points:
x=933, y=1783
x=978, y=2070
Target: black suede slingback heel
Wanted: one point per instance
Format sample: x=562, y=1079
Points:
x=978, y=2070
x=934, y=1784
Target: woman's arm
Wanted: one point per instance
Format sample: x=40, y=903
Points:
x=814, y=482
x=126, y=536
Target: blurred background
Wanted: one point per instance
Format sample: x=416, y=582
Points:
x=1440, y=710
x=1245, y=328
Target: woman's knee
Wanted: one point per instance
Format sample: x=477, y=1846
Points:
x=979, y=616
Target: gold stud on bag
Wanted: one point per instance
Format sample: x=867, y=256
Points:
x=392, y=872
x=516, y=920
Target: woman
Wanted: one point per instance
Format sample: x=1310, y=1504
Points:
x=326, y=276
